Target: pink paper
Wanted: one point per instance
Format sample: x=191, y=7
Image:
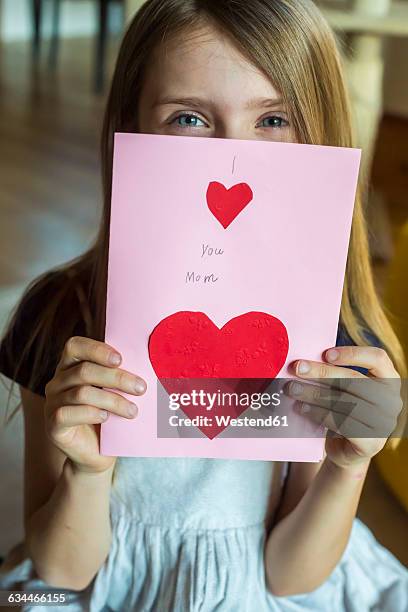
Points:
x=284, y=254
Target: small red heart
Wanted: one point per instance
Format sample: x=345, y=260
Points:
x=189, y=346
x=226, y=204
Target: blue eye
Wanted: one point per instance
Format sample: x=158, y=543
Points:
x=274, y=122
x=189, y=121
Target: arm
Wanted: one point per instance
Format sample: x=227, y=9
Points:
x=66, y=510
x=320, y=502
x=67, y=480
x=310, y=536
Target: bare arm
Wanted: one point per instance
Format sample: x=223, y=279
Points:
x=67, y=481
x=66, y=511
x=320, y=503
x=313, y=526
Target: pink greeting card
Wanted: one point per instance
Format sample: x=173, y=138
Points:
x=226, y=263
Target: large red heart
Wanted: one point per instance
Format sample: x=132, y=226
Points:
x=226, y=204
x=189, y=346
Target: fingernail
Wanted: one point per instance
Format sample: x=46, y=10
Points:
x=115, y=358
x=303, y=367
x=305, y=408
x=332, y=355
x=132, y=410
x=296, y=389
x=103, y=414
x=139, y=386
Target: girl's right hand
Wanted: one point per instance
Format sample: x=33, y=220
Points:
x=75, y=404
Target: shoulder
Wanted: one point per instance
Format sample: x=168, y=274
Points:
x=344, y=339
x=46, y=315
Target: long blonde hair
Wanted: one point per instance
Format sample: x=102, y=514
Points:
x=290, y=41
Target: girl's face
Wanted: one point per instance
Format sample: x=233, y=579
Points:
x=202, y=86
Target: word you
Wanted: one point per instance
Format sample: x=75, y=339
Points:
x=208, y=251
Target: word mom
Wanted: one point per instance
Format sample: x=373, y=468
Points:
x=192, y=277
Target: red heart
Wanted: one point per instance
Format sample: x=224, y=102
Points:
x=226, y=204
x=189, y=346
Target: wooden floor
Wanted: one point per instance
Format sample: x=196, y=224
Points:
x=49, y=208
x=49, y=201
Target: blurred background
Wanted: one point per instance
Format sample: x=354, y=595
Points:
x=56, y=60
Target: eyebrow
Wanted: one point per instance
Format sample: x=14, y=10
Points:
x=180, y=101
x=199, y=102
x=264, y=103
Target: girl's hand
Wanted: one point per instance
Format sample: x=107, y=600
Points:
x=76, y=404
x=359, y=411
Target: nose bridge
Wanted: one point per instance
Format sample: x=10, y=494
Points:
x=231, y=125
x=230, y=115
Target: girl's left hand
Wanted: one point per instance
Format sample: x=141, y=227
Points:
x=360, y=412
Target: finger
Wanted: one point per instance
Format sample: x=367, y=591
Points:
x=366, y=391
x=78, y=349
x=100, y=398
x=373, y=359
x=323, y=371
x=344, y=405
x=334, y=389
x=326, y=397
x=336, y=422
x=87, y=373
x=67, y=417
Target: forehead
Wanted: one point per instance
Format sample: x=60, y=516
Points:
x=205, y=61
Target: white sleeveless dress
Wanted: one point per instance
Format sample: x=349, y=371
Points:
x=188, y=536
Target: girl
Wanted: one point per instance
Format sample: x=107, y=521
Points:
x=197, y=534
